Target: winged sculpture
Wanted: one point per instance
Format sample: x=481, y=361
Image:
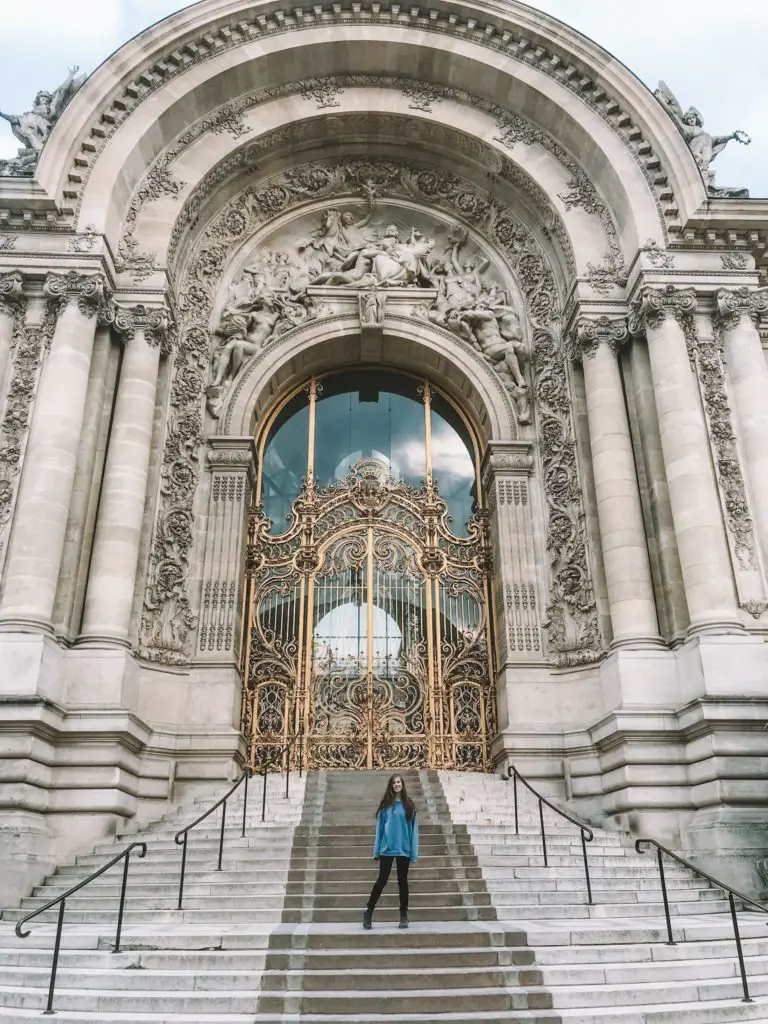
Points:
x=33, y=127
x=705, y=147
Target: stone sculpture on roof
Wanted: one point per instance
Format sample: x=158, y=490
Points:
x=33, y=127
x=705, y=147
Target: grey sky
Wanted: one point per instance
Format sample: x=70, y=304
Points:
x=711, y=55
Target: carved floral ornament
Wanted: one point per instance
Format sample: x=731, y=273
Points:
x=512, y=129
x=11, y=292
x=168, y=616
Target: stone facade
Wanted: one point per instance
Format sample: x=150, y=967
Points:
x=183, y=250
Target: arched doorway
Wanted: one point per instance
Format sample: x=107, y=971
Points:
x=367, y=624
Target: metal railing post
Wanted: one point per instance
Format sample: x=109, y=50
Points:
x=742, y=968
x=287, y=770
x=514, y=791
x=543, y=833
x=671, y=941
x=264, y=795
x=586, y=867
x=245, y=800
x=56, y=947
x=119, y=931
x=183, y=868
x=301, y=755
x=221, y=834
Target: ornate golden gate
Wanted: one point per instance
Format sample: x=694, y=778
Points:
x=367, y=629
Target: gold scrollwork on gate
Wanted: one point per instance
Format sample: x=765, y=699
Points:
x=368, y=628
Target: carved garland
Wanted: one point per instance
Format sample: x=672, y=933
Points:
x=168, y=616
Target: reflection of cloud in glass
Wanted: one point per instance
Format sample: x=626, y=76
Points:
x=342, y=635
x=449, y=455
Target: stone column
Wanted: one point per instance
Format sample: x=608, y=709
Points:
x=42, y=508
x=665, y=315
x=738, y=313
x=507, y=467
x=232, y=462
x=11, y=306
x=112, y=575
x=619, y=512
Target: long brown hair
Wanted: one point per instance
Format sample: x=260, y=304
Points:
x=390, y=796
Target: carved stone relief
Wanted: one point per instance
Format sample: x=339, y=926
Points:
x=571, y=615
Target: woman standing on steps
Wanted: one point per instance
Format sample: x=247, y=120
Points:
x=397, y=838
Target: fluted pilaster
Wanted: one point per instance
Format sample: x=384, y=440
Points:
x=37, y=541
x=112, y=575
x=738, y=314
x=665, y=316
x=619, y=512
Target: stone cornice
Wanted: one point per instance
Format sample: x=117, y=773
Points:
x=733, y=305
x=652, y=306
x=87, y=290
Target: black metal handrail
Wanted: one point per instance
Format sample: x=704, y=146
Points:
x=62, y=901
x=587, y=835
x=733, y=894
x=181, y=836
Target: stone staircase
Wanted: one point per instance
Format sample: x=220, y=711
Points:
x=276, y=936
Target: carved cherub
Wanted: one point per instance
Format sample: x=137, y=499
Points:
x=705, y=147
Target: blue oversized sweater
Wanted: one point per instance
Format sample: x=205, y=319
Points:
x=395, y=835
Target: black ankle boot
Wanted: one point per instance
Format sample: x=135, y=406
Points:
x=367, y=919
x=403, y=920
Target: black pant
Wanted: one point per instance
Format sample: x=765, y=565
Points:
x=385, y=866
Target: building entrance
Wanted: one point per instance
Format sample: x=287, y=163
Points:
x=368, y=604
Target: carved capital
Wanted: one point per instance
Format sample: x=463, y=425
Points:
x=154, y=321
x=732, y=306
x=11, y=292
x=653, y=305
x=232, y=455
x=89, y=291
x=589, y=333
x=506, y=458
